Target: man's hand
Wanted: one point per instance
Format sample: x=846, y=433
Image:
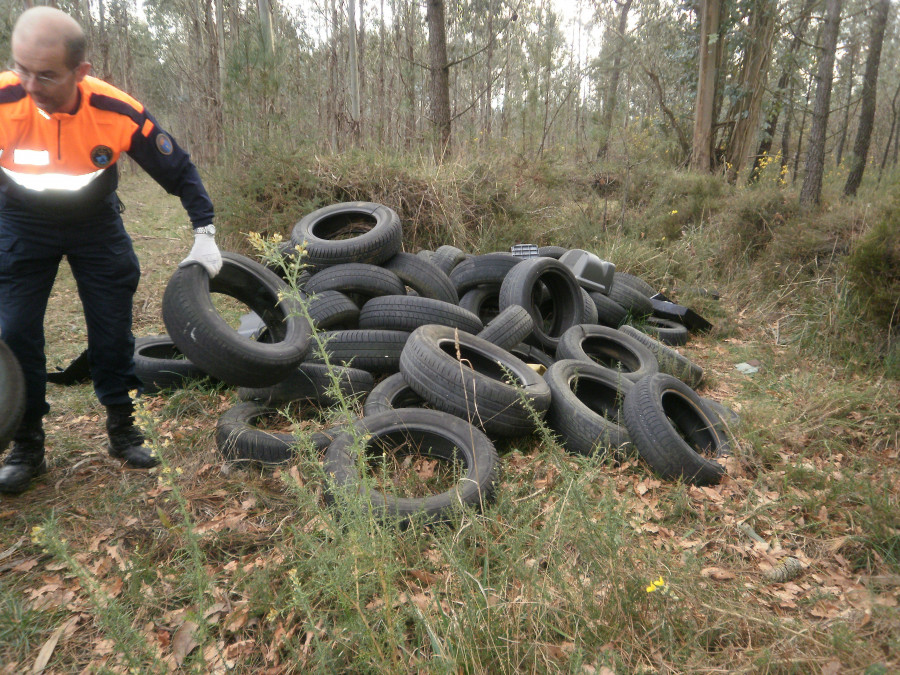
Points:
x=205, y=252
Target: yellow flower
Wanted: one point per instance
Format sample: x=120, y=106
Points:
x=656, y=585
x=37, y=534
x=674, y=211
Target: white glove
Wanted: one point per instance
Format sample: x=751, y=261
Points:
x=205, y=252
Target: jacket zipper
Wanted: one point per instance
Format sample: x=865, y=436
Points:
x=59, y=140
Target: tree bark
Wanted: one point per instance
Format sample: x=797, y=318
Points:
x=701, y=151
x=842, y=139
x=440, y=81
x=870, y=86
x=353, y=67
x=815, y=156
x=887, y=146
x=609, y=101
x=752, y=84
x=785, y=81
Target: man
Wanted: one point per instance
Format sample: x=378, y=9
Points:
x=61, y=134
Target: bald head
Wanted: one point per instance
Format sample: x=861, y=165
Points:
x=48, y=28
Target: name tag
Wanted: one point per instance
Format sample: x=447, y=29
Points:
x=31, y=157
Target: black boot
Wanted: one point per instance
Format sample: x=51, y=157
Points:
x=125, y=439
x=25, y=460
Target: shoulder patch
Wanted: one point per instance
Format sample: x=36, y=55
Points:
x=101, y=156
x=164, y=144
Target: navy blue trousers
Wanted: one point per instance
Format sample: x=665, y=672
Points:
x=106, y=270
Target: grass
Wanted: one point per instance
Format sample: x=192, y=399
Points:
x=202, y=567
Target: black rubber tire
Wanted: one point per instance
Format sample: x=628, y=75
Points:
x=537, y=278
x=635, y=282
x=333, y=310
x=433, y=433
x=238, y=439
x=591, y=315
x=725, y=417
x=672, y=430
x=482, y=302
x=377, y=351
x=666, y=331
x=425, y=254
x=424, y=277
x=349, y=232
x=391, y=393
x=635, y=303
x=482, y=270
x=586, y=406
x=610, y=348
x=509, y=327
x=12, y=395
x=356, y=279
x=447, y=257
x=215, y=347
x=531, y=354
x=554, y=252
x=609, y=312
x=158, y=366
x=467, y=377
x=406, y=313
x=312, y=382
x=670, y=361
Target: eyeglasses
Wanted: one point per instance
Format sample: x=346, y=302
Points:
x=43, y=80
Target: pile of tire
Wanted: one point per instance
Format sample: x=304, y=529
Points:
x=447, y=352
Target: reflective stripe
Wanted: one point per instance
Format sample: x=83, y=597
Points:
x=32, y=157
x=51, y=181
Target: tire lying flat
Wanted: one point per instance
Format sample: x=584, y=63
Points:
x=313, y=382
x=434, y=434
x=669, y=360
x=239, y=439
x=610, y=348
x=468, y=377
x=349, y=232
x=159, y=364
x=406, y=313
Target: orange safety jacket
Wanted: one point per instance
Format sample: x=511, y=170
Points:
x=62, y=167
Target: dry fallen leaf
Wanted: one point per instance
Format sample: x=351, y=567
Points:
x=717, y=573
x=183, y=642
x=46, y=651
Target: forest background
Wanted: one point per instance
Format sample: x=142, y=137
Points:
x=748, y=147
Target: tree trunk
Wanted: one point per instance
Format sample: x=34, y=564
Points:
x=887, y=146
x=440, y=81
x=754, y=71
x=265, y=22
x=353, y=67
x=701, y=158
x=786, y=79
x=609, y=101
x=487, y=120
x=867, y=114
x=815, y=156
x=851, y=62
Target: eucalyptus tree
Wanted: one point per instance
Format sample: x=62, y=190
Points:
x=811, y=190
x=860, y=154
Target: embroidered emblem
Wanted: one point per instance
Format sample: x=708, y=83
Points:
x=164, y=144
x=101, y=156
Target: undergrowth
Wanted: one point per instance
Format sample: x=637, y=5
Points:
x=581, y=563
